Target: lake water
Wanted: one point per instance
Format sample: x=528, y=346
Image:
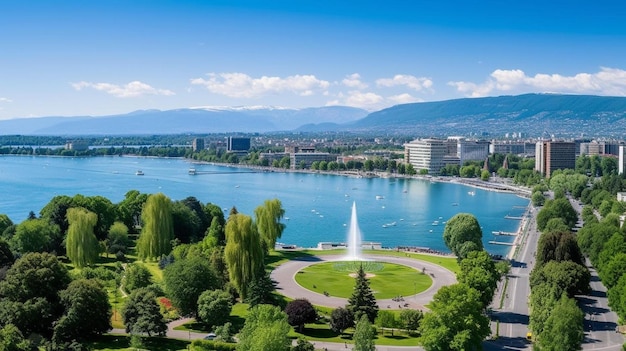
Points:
x=394, y=212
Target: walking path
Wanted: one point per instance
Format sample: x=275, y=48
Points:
x=285, y=274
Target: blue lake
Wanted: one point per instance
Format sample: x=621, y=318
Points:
x=394, y=212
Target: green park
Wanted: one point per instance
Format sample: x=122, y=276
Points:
x=151, y=273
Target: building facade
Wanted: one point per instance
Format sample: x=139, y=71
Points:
x=553, y=155
x=426, y=154
x=238, y=144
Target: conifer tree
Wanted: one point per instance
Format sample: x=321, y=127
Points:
x=362, y=300
x=82, y=244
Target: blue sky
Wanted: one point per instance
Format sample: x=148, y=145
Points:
x=100, y=57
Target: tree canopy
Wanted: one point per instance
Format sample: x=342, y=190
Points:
x=456, y=320
x=185, y=280
x=81, y=244
x=459, y=230
x=299, y=312
x=157, y=230
x=265, y=329
x=243, y=252
x=141, y=314
x=268, y=223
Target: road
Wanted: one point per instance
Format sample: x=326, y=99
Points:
x=599, y=323
x=285, y=273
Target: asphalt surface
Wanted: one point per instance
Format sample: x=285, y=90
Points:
x=599, y=324
x=285, y=274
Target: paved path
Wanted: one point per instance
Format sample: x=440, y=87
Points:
x=284, y=276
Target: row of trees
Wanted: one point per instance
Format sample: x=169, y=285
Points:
x=458, y=320
x=559, y=274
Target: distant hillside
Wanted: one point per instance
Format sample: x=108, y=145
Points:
x=532, y=114
x=194, y=120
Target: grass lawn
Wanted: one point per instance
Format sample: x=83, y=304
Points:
x=389, y=280
x=237, y=318
x=321, y=332
x=276, y=258
x=122, y=342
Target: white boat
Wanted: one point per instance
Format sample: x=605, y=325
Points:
x=471, y=193
x=379, y=197
x=139, y=172
x=192, y=171
x=435, y=223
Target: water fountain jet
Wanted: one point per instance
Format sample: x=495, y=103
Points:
x=354, y=237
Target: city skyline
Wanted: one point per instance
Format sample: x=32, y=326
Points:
x=109, y=57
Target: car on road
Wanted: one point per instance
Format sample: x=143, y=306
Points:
x=210, y=336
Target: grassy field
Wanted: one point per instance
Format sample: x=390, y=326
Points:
x=276, y=258
x=321, y=332
x=389, y=281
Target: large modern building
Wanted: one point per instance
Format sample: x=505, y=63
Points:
x=621, y=160
x=306, y=159
x=197, y=144
x=238, y=144
x=471, y=150
x=553, y=155
x=426, y=154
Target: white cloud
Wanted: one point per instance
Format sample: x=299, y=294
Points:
x=241, y=85
x=354, y=81
x=415, y=83
x=132, y=89
x=404, y=99
x=3, y=99
x=608, y=81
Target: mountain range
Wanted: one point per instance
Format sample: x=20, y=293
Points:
x=531, y=114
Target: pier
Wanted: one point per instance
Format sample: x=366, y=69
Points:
x=503, y=233
x=514, y=217
x=501, y=243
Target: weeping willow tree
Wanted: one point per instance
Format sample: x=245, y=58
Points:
x=158, y=228
x=268, y=218
x=82, y=245
x=243, y=252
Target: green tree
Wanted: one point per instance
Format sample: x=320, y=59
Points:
x=613, y=270
x=386, y=319
x=558, y=246
x=460, y=229
x=243, y=252
x=341, y=319
x=12, y=339
x=479, y=272
x=569, y=277
x=104, y=210
x=129, y=209
x=362, y=300
x=30, y=293
x=87, y=311
x=117, y=239
x=5, y=222
x=538, y=199
x=34, y=235
x=136, y=276
x=6, y=256
x=543, y=297
x=563, y=330
x=214, y=307
x=364, y=335
x=456, y=320
x=82, y=246
x=299, y=312
x=265, y=329
x=268, y=223
x=411, y=319
x=186, y=223
x=157, y=230
x=260, y=290
x=141, y=314
x=617, y=297
x=185, y=280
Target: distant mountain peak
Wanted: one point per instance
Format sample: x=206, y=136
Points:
x=241, y=108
